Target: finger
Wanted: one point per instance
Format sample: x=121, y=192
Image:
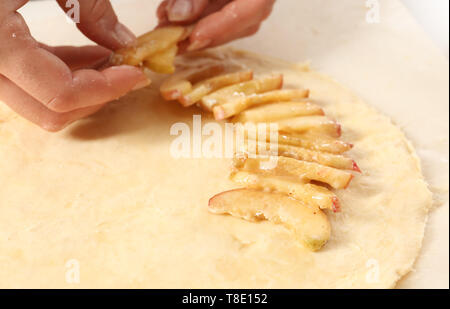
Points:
x=26, y=106
x=237, y=35
x=100, y=24
x=214, y=6
x=48, y=79
x=185, y=11
x=185, y=45
x=161, y=12
x=83, y=57
x=228, y=23
x=10, y=6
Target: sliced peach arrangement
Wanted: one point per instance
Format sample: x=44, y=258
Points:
x=204, y=88
x=310, y=160
x=182, y=83
x=308, y=155
x=297, y=171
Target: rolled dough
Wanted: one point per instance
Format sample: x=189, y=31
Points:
x=106, y=198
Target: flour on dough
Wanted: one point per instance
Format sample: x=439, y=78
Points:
x=104, y=199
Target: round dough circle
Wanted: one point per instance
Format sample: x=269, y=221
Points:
x=103, y=204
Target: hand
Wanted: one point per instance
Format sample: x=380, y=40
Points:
x=54, y=86
x=218, y=21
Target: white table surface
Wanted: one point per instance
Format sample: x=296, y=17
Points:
x=433, y=15
x=394, y=66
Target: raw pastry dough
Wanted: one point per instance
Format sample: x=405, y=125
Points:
x=106, y=196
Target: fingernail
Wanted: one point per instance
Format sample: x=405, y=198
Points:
x=142, y=84
x=124, y=35
x=196, y=45
x=180, y=11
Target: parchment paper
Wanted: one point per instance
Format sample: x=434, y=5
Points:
x=392, y=65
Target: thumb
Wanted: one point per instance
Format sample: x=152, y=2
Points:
x=185, y=11
x=99, y=23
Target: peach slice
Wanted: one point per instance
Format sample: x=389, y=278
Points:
x=308, y=140
x=234, y=107
x=162, y=62
x=203, y=88
x=306, y=192
x=242, y=90
x=181, y=83
x=309, y=223
x=315, y=142
x=319, y=124
x=277, y=111
x=298, y=170
x=150, y=44
x=300, y=153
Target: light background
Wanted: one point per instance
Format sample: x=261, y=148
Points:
x=433, y=15
x=393, y=66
